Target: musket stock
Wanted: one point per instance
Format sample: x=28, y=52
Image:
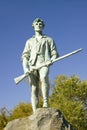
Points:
x=20, y=78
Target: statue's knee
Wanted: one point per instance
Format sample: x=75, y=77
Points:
x=34, y=89
x=44, y=78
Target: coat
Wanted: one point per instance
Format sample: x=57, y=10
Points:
x=37, y=52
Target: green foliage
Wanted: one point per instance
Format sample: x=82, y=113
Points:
x=3, y=117
x=69, y=96
x=21, y=110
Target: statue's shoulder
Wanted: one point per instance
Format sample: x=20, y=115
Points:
x=48, y=37
x=29, y=40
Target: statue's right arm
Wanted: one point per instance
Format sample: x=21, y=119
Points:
x=25, y=65
x=25, y=57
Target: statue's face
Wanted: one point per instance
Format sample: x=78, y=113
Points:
x=38, y=26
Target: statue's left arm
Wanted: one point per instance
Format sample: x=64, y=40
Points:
x=53, y=50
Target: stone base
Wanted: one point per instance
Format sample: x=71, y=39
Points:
x=43, y=119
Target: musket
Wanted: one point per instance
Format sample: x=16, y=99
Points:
x=21, y=77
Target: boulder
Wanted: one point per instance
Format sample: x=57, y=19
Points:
x=43, y=119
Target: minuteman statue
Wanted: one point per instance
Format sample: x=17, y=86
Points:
x=38, y=49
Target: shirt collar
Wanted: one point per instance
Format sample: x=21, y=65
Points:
x=43, y=36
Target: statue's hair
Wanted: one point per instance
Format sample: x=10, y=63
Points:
x=38, y=20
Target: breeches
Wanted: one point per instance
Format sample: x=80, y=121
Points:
x=40, y=77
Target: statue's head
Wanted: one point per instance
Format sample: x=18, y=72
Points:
x=38, y=20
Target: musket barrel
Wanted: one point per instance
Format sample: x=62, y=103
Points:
x=67, y=55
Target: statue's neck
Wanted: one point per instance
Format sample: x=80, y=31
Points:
x=38, y=35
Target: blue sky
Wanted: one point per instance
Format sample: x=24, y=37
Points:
x=65, y=21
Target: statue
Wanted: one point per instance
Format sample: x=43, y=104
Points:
x=39, y=53
x=38, y=50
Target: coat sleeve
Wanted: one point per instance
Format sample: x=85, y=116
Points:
x=25, y=57
x=53, y=50
x=26, y=52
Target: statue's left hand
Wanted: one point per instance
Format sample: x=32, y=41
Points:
x=49, y=63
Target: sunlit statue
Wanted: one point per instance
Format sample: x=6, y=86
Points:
x=39, y=53
x=38, y=49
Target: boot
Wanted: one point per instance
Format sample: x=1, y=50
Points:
x=45, y=103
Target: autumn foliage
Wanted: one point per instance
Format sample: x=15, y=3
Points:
x=69, y=95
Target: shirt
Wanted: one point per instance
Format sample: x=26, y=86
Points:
x=41, y=51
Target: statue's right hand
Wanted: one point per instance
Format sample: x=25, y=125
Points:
x=27, y=72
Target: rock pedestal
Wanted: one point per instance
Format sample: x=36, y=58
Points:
x=43, y=119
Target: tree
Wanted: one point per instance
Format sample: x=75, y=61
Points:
x=69, y=95
x=4, y=114
x=21, y=110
